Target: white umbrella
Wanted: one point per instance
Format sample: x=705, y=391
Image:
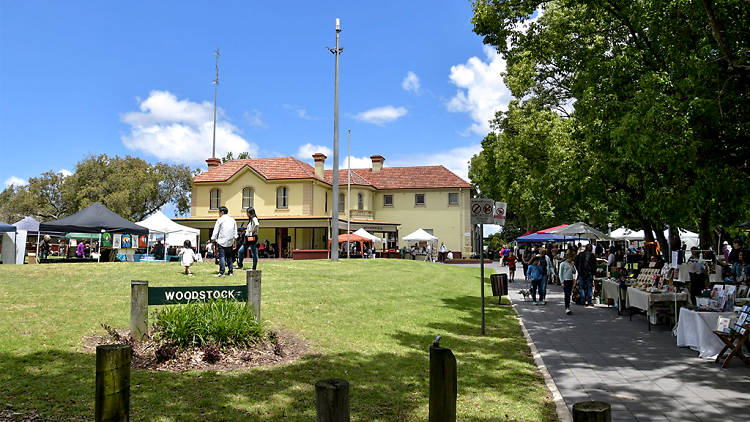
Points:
x=581, y=230
x=364, y=233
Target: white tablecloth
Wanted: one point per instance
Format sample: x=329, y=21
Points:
x=695, y=330
x=610, y=290
x=645, y=301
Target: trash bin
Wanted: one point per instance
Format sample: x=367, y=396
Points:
x=499, y=283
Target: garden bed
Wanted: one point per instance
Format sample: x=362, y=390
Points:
x=467, y=261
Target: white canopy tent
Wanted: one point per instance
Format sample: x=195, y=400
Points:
x=420, y=235
x=364, y=233
x=175, y=234
x=691, y=239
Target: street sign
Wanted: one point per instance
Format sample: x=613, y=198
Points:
x=482, y=211
x=501, y=208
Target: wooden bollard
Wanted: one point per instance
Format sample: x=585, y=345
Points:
x=139, y=309
x=443, y=384
x=253, y=291
x=332, y=400
x=592, y=411
x=112, y=382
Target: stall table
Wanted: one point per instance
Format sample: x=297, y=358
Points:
x=695, y=330
x=611, y=290
x=646, y=302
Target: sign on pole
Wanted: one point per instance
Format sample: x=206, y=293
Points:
x=501, y=208
x=482, y=211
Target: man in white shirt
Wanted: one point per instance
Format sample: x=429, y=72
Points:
x=225, y=233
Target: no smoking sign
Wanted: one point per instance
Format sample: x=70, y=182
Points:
x=482, y=211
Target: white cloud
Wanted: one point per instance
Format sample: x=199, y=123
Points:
x=65, y=172
x=381, y=115
x=254, y=118
x=481, y=90
x=15, y=181
x=181, y=130
x=299, y=111
x=357, y=163
x=455, y=160
x=305, y=152
x=411, y=82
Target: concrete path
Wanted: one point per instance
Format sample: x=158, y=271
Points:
x=596, y=355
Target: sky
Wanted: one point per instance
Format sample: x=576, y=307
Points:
x=77, y=78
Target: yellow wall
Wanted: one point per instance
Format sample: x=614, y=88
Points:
x=449, y=223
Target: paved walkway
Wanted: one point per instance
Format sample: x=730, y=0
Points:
x=596, y=355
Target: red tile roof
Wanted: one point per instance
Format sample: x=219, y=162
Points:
x=417, y=177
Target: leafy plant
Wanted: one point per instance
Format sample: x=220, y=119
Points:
x=222, y=322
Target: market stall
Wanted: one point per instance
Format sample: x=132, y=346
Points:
x=696, y=331
x=420, y=235
x=13, y=244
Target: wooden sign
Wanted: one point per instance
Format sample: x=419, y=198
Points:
x=185, y=294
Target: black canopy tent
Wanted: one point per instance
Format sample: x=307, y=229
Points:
x=96, y=218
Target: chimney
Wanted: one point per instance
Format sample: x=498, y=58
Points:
x=377, y=163
x=320, y=160
x=213, y=162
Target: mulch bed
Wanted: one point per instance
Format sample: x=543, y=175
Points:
x=467, y=261
x=287, y=348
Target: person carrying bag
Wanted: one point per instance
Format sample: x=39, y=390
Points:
x=250, y=239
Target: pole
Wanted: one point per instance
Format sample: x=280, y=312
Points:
x=335, y=202
x=443, y=384
x=481, y=266
x=38, y=234
x=216, y=90
x=348, y=191
x=112, y=394
x=332, y=400
x=99, y=253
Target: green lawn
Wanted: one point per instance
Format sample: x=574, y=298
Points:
x=368, y=321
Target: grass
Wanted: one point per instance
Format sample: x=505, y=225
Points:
x=368, y=321
x=221, y=322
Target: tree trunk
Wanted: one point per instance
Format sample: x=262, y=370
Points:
x=648, y=231
x=663, y=244
x=704, y=231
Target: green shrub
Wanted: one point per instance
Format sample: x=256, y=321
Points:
x=223, y=322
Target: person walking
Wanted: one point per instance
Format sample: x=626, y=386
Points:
x=586, y=267
x=526, y=258
x=188, y=256
x=534, y=273
x=44, y=247
x=225, y=233
x=506, y=254
x=250, y=239
x=545, y=276
x=443, y=251
x=511, y=266
x=567, y=275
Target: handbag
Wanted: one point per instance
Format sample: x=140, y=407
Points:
x=251, y=239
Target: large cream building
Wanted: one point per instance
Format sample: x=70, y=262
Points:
x=293, y=201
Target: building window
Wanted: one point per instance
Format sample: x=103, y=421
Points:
x=247, y=198
x=325, y=207
x=214, y=199
x=282, y=197
x=453, y=198
x=360, y=202
x=342, y=202
x=387, y=200
x=419, y=199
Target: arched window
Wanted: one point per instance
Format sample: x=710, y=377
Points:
x=214, y=199
x=360, y=202
x=282, y=197
x=247, y=198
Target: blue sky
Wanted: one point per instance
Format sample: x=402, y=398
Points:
x=82, y=77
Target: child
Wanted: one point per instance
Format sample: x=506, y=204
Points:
x=511, y=261
x=188, y=256
x=567, y=275
x=534, y=273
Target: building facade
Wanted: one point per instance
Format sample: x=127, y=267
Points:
x=293, y=201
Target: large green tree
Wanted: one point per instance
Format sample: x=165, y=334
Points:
x=129, y=186
x=660, y=93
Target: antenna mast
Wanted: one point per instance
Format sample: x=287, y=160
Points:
x=216, y=89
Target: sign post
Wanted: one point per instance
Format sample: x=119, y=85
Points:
x=482, y=212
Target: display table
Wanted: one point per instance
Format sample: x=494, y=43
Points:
x=695, y=330
x=645, y=302
x=610, y=290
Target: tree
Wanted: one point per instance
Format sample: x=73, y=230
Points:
x=129, y=186
x=658, y=90
x=230, y=156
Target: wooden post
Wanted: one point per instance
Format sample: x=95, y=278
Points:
x=138, y=309
x=253, y=291
x=592, y=411
x=332, y=400
x=443, y=384
x=112, y=382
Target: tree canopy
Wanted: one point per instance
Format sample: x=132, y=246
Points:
x=641, y=104
x=131, y=187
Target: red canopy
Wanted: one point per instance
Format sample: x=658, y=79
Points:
x=546, y=231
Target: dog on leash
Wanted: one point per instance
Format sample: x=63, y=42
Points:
x=525, y=294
